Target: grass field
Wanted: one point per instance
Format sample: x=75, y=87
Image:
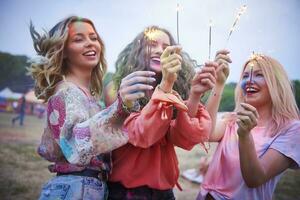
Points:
x=22, y=171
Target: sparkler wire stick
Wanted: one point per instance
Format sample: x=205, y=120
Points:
x=242, y=10
x=209, y=39
x=177, y=22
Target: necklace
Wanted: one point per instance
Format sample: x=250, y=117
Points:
x=93, y=93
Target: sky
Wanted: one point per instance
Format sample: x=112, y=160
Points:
x=271, y=27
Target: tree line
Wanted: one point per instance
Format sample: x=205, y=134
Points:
x=13, y=75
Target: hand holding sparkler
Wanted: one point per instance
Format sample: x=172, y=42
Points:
x=170, y=64
x=204, y=79
x=247, y=117
x=223, y=60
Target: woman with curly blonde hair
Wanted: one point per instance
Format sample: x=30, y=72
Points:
x=79, y=135
x=259, y=140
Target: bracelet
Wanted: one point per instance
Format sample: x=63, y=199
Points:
x=126, y=109
x=162, y=89
x=215, y=94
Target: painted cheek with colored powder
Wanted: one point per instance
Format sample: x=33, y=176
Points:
x=257, y=80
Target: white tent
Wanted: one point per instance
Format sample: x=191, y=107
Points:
x=6, y=93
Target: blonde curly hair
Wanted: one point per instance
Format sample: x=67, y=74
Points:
x=49, y=67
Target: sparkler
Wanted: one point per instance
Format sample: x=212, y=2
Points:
x=199, y=67
x=242, y=10
x=252, y=57
x=251, y=73
x=209, y=39
x=149, y=36
x=177, y=20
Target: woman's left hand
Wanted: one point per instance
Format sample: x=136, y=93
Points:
x=204, y=79
x=134, y=86
x=247, y=117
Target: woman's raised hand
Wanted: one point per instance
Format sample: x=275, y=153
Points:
x=204, y=79
x=247, y=117
x=170, y=64
x=222, y=71
x=134, y=86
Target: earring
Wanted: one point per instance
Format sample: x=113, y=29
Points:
x=93, y=93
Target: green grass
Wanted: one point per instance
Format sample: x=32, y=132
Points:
x=23, y=172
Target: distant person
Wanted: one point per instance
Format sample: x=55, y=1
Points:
x=40, y=110
x=21, y=110
x=197, y=175
x=79, y=134
x=260, y=140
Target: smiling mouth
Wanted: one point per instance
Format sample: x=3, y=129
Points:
x=89, y=53
x=155, y=60
x=251, y=90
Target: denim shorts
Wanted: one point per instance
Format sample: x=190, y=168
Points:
x=72, y=187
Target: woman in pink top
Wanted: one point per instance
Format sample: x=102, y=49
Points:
x=257, y=142
x=147, y=167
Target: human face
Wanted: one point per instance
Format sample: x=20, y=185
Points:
x=159, y=41
x=83, y=48
x=254, y=86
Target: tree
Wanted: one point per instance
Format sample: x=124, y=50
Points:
x=296, y=85
x=13, y=73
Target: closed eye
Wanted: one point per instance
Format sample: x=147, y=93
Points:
x=165, y=46
x=94, y=38
x=245, y=76
x=152, y=43
x=77, y=39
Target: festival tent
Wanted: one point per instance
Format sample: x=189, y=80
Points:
x=7, y=94
x=34, y=105
x=8, y=98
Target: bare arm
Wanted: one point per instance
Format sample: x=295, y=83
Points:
x=257, y=171
x=203, y=81
x=218, y=128
x=212, y=106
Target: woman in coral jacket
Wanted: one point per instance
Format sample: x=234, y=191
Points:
x=147, y=167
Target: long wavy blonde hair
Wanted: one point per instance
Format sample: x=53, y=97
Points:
x=284, y=107
x=49, y=67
